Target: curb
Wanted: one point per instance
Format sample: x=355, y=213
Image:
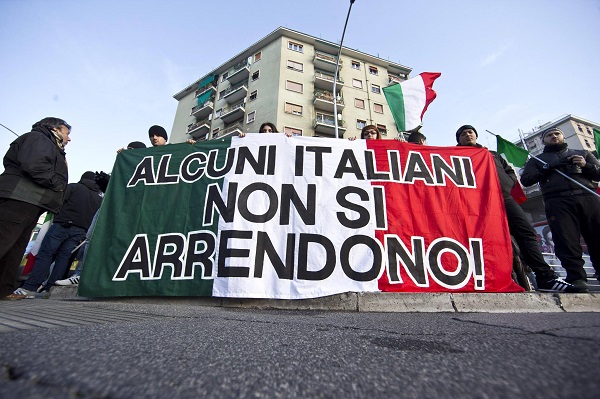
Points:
x=529, y=302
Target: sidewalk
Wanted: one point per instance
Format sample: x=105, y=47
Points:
x=529, y=302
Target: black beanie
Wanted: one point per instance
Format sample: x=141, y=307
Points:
x=136, y=144
x=158, y=131
x=88, y=176
x=463, y=127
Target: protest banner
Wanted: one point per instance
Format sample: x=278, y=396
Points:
x=267, y=216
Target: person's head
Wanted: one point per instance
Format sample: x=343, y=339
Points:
x=466, y=135
x=370, y=132
x=158, y=135
x=135, y=144
x=417, y=138
x=89, y=175
x=267, y=127
x=59, y=127
x=553, y=136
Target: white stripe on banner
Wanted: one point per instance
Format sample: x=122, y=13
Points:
x=326, y=225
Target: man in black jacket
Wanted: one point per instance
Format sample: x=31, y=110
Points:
x=518, y=225
x=33, y=181
x=571, y=210
x=68, y=229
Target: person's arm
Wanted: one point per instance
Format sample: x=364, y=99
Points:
x=36, y=158
x=590, y=167
x=532, y=173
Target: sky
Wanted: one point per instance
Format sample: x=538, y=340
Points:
x=111, y=68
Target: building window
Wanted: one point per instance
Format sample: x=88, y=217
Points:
x=293, y=86
x=292, y=130
x=373, y=70
x=257, y=56
x=357, y=83
x=375, y=89
x=293, y=109
x=255, y=75
x=295, y=66
x=218, y=112
x=587, y=143
x=253, y=95
x=296, y=47
x=251, y=117
x=356, y=65
x=359, y=103
x=579, y=127
x=222, y=93
x=215, y=133
x=382, y=129
x=224, y=76
x=360, y=124
x=378, y=108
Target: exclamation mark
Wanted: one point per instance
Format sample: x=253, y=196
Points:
x=478, y=271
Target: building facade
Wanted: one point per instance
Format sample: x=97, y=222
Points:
x=287, y=78
x=579, y=135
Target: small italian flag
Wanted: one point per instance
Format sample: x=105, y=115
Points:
x=409, y=100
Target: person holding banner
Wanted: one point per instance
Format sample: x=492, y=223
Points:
x=34, y=181
x=571, y=210
x=518, y=225
x=370, y=132
x=417, y=138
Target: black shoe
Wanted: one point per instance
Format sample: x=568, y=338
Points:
x=559, y=285
x=582, y=285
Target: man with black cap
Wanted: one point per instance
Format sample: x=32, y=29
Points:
x=34, y=181
x=571, y=210
x=68, y=229
x=158, y=135
x=519, y=227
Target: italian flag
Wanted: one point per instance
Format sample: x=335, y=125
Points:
x=409, y=100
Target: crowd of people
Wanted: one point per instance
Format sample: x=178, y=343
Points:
x=35, y=181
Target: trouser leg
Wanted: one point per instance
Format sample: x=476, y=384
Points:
x=53, y=239
x=566, y=232
x=17, y=220
x=524, y=235
x=61, y=263
x=590, y=228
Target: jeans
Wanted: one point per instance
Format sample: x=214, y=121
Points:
x=58, y=243
x=88, y=236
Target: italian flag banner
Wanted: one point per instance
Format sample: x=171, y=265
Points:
x=409, y=100
x=517, y=157
x=269, y=216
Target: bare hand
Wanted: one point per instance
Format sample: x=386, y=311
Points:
x=578, y=160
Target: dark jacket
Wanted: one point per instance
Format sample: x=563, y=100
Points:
x=35, y=170
x=552, y=183
x=506, y=174
x=82, y=200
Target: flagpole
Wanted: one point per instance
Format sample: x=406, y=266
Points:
x=335, y=76
x=557, y=171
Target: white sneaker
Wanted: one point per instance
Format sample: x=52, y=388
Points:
x=24, y=293
x=68, y=281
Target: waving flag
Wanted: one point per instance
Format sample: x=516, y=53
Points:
x=517, y=156
x=409, y=100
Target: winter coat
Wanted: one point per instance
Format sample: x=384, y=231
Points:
x=35, y=170
x=82, y=200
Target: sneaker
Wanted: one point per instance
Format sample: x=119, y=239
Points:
x=559, y=285
x=68, y=281
x=582, y=285
x=22, y=292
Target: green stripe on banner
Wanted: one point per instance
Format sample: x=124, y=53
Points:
x=144, y=205
x=597, y=141
x=395, y=98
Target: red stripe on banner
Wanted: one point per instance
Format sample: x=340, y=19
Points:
x=430, y=94
x=455, y=234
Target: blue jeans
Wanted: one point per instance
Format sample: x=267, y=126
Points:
x=58, y=244
x=88, y=236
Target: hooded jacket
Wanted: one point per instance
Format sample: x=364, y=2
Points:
x=82, y=200
x=35, y=170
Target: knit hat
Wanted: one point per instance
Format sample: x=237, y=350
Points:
x=158, y=131
x=552, y=129
x=88, y=175
x=464, y=127
x=136, y=144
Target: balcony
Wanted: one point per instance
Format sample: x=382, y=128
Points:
x=203, y=110
x=236, y=93
x=324, y=81
x=204, y=89
x=199, y=130
x=394, y=79
x=325, y=61
x=233, y=130
x=240, y=73
x=325, y=125
x=233, y=112
x=324, y=101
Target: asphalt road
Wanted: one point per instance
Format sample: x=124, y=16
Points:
x=69, y=349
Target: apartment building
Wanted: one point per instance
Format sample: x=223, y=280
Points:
x=287, y=78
